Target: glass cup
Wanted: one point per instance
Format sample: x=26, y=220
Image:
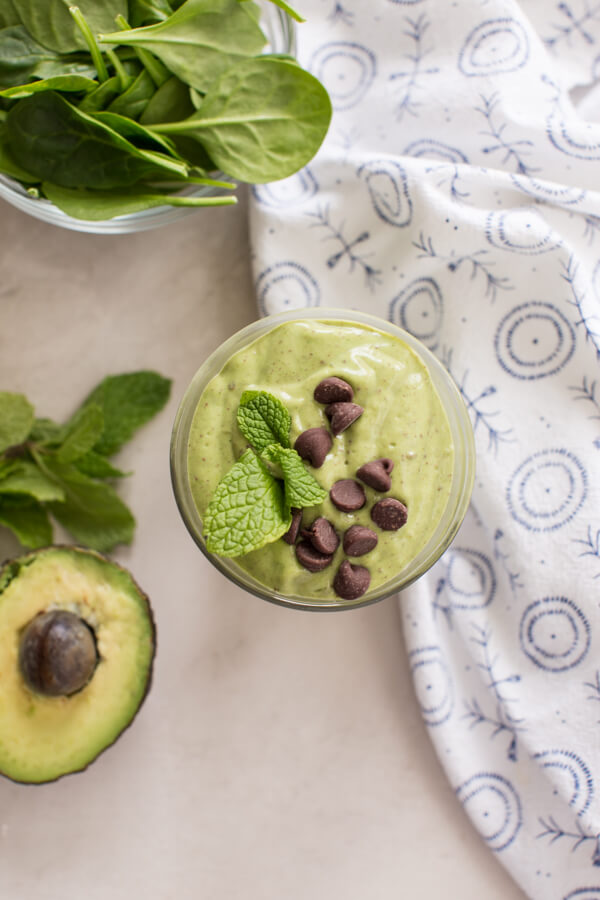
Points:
x=280, y=32
x=462, y=476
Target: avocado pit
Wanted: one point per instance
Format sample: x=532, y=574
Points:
x=57, y=653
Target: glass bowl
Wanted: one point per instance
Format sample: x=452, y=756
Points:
x=281, y=38
x=462, y=476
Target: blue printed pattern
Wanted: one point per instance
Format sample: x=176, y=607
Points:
x=457, y=195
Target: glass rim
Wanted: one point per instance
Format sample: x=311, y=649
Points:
x=462, y=480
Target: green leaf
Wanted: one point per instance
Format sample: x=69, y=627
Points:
x=46, y=431
x=138, y=135
x=146, y=12
x=134, y=100
x=92, y=512
x=247, y=510
x=301, y=487
x=199, y=41
x=96, y=206
x=97, y=466
x=263, y=420
x=170, y=103
x=9, y=167
x=288, y=9
x=102, y=96
x=49, y=21
x=29, y=522
x=16, y=419
x=29, y=479
x=74, y=83
x=127, y=401
x=63, y=145
x=82, y=432
x=262, y=120
x=8, y=14
x=20, y=54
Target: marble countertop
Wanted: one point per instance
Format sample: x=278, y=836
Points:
x=280, y=754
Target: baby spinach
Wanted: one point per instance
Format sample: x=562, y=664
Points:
x=20, y=55
x=199, y=41
x=262, y=120
x=170, y=103
x=8, y=14
x=94, y=206
x=146, y=12
x=75, y=83
x=135, y=98
x=136, y=133
x=50, y=23
x=59, y=143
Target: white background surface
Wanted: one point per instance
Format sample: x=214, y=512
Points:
x=280, y=754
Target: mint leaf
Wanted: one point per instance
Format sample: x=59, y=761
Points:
x=91, y=511
x=301, y=487
x=82, y=431
x=46, y=431
x=97, y=466
x=27, y=478
x=127, y=402
x=28, y=521
x=263, y=420
x=16, y=419
x=247, y=509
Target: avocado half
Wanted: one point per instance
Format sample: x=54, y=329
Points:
x=77, y=644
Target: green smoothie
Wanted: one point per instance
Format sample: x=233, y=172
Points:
x=403, y=420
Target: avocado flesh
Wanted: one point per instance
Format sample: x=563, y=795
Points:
x=44, y=737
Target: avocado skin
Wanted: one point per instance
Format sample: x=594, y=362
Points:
x=10, y=569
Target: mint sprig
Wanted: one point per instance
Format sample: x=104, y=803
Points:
x=50, y=471
x=252, y=503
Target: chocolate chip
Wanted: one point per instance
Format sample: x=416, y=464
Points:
x=342, y=415
x=348, y=495
x=377, y=474
x=310, y=558
x=332, y=390
x=322, y=535
x=359, y=540
x=350, y=581
x=389, y=513
x=292, y=533
x=314, y=444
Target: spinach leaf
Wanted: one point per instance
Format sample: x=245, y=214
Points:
x=134, y=100
x=8, y=14
x=102, y=96
x=145, y=12
x=20, y=54
x=67, y=83
x=170, y=103
x=95, y=206
x=59, y=143
x=50, y=23
x=9, y=167
x=199, y=41
x=261, y=121
x=138, y=135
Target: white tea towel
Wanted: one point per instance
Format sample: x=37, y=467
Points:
x=458, y=195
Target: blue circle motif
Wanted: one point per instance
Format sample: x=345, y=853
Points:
x=521, y=230
x=573, y=774
x=534, y=340
x=388, y=190
x=551, y=191
x=547, y=490
x=428, y=148
x=494, y=808
x=554, y=634
x=574, y=138
x=286, y=285
x=346, y=70
x=585, y=893
x=287, y=192
x=433, y=685
x=471, y=579
x=419, y=309
x=494, y=47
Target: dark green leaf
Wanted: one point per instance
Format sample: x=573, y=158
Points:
x=50, y=23
x=128, y=402
x=20, y=54
x=133, y=101
x=82, y=432
x=9, y=167
x=146, y=12
x=95, y=206
x=60, y=144
x=30, y=480
x=136, y=133
x=16, y=419
x=45, y=430
x=170, y=103
x=97, y=466
x=261, y=121
x=8, y=14
x=92, y=512
x=102, y=96
x=29, y=523
x=200, y=41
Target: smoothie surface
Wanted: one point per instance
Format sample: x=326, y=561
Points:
x=403, y=419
